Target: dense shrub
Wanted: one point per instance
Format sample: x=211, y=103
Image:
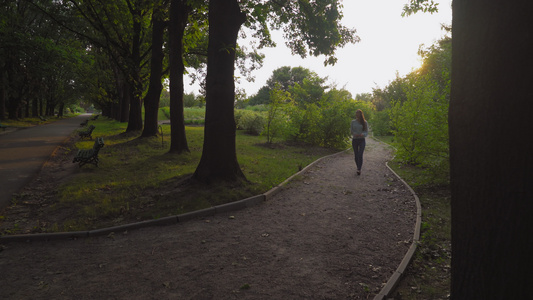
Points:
x=420, y=125
x=276, y=116
x=381, y=123
x=250, y=121
x=335, y=125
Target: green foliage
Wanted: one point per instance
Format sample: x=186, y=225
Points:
x=304, y=85
x=312, y=27
x=336, y=118
x=260, y=107
x=262, y=97
x=305, y=122
x=420, y=124
x=280, y=102
x=415, y=6
x=74, y=108
x=164, y=100
x=194, y=115
x=381, y=123
x=415, y=109
x=251, y=122
x=326, y=123
x=164, y=112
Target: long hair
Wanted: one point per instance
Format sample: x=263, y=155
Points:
x=360, y=117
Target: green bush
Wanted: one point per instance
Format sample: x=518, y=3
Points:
x=250, y=121
x=326, y=123
x=305, y=123
x=381, y=123
x=420, y=125
x=276, y=116
x=335, y=125
x=74, y=108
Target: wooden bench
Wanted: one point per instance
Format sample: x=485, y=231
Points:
x=85, y=156
x=42, y=118
x=84, y=122
x=94, y=118
x=87, y=132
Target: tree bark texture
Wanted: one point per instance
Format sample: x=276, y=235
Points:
x=134, y=77
x=2, y=103
x=178, y=21
x=151, y=101
x=219, y=157
x=490, y=150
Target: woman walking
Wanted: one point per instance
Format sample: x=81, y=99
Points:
x=359, y=130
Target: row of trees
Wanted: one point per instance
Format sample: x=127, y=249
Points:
x=116, y=54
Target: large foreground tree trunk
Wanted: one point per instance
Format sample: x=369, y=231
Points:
x=490, y=149
x=178, y=20
x=219, y=158
x=151, y=101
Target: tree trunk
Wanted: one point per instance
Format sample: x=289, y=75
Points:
x=124, y=102
x=2, y=102
x=151, y=101
x=61, y=109
x=3, y=94
x=219, y=158
x=179, y=12
x=35, y=106
x=41, y=105
x=26, y=109
x=135, y=122
x=135, y=117
x=12, y=107
x=490, y=153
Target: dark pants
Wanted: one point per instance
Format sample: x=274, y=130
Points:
x=358, y=149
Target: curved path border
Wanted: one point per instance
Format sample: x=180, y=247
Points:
x=397, y=275
x=223, y=208
x=233, y=206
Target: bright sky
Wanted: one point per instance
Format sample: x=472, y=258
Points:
x=389, y=45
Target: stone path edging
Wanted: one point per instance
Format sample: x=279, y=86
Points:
x=211, y=211
x=398, y=274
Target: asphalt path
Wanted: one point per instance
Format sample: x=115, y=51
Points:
x=24, y=152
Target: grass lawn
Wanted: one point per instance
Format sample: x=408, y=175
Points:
x=137, y=179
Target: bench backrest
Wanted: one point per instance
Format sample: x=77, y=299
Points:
x=98, y=143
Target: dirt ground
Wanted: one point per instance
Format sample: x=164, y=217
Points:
x=329, y=234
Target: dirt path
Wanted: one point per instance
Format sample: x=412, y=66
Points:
x=23, y=152
x=329, y=234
